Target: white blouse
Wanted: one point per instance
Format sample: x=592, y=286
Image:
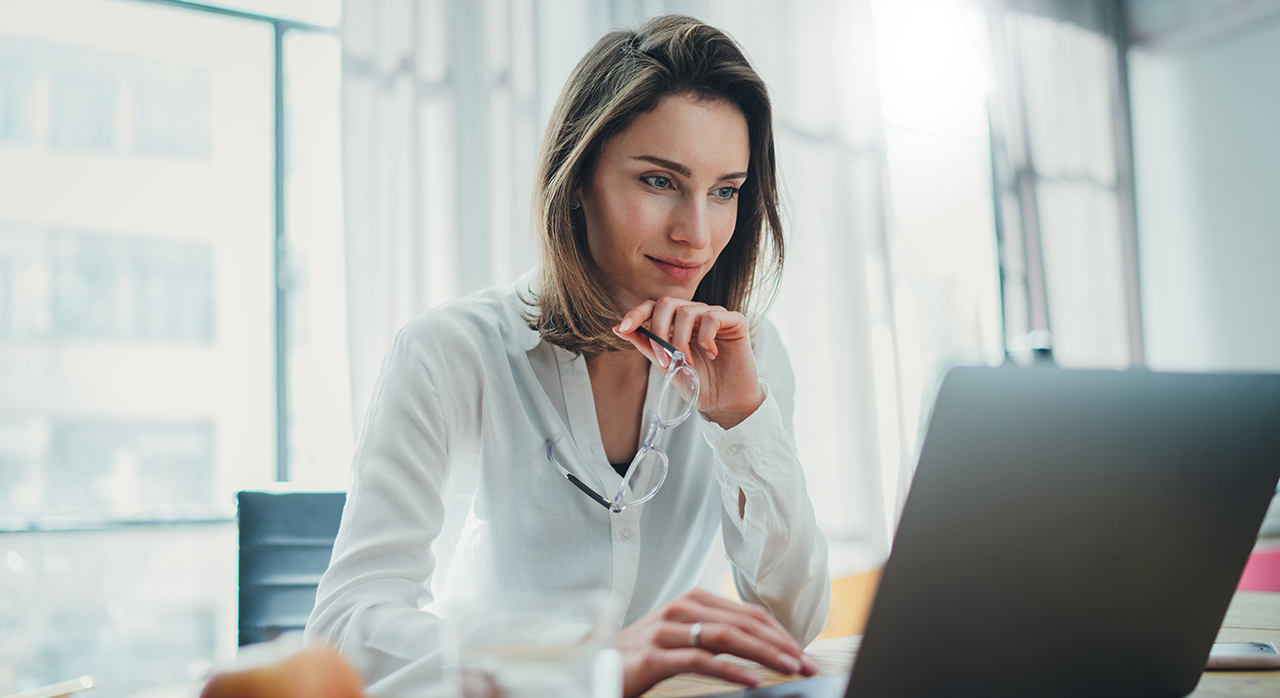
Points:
x=454, y=442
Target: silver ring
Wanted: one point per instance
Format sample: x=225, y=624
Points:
x=695, y=631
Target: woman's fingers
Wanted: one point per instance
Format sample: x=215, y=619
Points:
x=727, y=638
x=750, y=625
x=662, y=319
x=716, y=343
x=700, y=323
x=636, y=317
x=708, y=328
x=747, y=616
x=626, y=329
x=682, y=325
x=705, y=663
x=661, y=316
x=662, y=643
x=642, y=343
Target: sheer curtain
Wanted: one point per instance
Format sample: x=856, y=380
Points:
x=891, y=269
x=439, y=137
x=1064, y=166
x=833, y=308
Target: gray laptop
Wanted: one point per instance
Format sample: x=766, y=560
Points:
x=1068, y=533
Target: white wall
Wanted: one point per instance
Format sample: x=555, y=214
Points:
x=1206, y=122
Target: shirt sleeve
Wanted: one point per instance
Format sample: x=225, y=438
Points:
x=367, y=603
x=778, y=555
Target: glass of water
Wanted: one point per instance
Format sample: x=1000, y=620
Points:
x=539, y=644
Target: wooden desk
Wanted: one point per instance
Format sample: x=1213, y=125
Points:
x=1253, y=615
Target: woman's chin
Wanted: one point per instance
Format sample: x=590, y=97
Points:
x=685, y=294
x=626, y=299
x=683, y=289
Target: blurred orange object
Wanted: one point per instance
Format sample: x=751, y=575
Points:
x=316, y=672
x=851, y=599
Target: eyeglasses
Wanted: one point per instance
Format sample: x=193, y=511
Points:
x=649, y=468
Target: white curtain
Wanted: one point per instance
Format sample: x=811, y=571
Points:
x=440, y=130
x=833, y=308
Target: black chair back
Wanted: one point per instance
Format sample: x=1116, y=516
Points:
x=286, y=540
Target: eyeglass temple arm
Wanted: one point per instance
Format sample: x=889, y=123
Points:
x=595, y=496
x=661, y=342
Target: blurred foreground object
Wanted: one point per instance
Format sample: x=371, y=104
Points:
x=58, y=689
x=538, y=644
x=315, y=672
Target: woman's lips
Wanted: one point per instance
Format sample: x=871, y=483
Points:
x=676, y=269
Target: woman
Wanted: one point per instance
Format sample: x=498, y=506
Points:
x=656, y=205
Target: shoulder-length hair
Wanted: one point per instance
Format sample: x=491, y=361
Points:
x=626, y=74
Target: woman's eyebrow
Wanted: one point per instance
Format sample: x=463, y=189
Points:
x=660, y=162
x=681, y=169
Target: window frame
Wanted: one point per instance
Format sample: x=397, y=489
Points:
x=281, y=310
x=280, y=27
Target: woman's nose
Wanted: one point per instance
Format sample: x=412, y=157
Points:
x=691, y=223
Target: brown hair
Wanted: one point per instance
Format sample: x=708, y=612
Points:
x=626, y=74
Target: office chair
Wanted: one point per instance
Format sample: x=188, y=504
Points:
x=286, y=540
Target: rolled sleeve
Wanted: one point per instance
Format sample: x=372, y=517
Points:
x=754, y=456
x=778, y=555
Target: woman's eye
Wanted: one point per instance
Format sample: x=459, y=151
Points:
x=726, y=193
x=658, y=181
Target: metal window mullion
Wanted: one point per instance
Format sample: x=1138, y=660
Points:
x=39, y=524
x=281, y=260
x=998, y=224
x=1009, y=143
x=281, y=278
x=241, y=14
x=1125, y=186
x=1025, y=179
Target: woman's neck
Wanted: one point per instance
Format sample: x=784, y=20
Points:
x=618, y=365
x=619, y=381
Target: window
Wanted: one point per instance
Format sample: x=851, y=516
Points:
x=169, y=298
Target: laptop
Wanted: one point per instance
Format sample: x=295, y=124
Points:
x=1068, y=533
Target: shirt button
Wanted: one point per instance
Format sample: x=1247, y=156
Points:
x=625, y=534
x=735, y=449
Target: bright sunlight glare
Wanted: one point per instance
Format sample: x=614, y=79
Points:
x=932, y=75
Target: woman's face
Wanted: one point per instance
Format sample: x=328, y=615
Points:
x=663, y=200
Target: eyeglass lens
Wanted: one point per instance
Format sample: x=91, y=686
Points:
x=647, y=473
x=675, y=404
x=678, y=394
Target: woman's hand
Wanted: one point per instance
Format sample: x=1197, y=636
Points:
x=658, y=646
x=715, y=341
